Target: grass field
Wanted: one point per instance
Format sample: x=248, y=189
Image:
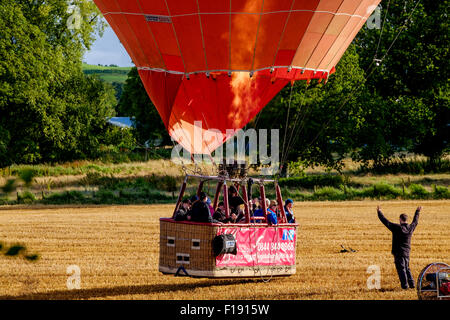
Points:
x=116, y=248
x=108, y=74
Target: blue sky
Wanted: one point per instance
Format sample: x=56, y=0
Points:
x=108, y=50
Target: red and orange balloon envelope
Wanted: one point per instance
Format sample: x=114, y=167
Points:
x=214, y=64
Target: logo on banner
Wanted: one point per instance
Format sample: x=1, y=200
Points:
x=229, y=244
x=288, y=235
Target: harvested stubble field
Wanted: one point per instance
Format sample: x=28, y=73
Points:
x=117, y=247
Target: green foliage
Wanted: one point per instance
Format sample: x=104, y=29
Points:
x=329, y=193
x=114, y=75
x=67, y=197
x=297, y=168
x=106, y=196
x=440, y=192
x=401, y=165
x=381, y=190
x=168, y=183
x=132, y=196
x=417, y=191
x=26, y=197
x=412, y=80
x=311, y=181
x=50, y=110
x=319, y=126
x=9, y=186
x=91, y=69
x=27, y=177
x=136, y=103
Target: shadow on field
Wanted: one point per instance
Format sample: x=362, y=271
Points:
x=122, y=290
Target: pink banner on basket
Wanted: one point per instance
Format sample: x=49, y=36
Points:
x=260, y=246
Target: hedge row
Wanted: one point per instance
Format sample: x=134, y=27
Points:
x=148, y=196
x=309, y=182
x=378, y=191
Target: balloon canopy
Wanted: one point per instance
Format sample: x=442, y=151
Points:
x=212, y=65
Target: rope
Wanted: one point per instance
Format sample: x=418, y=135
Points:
x=301, y=115
x=210, y=153
x=183, y=166
x=149, y=149
x=401, y=30
x=229, y=43
x=257, y=119
x=203, y=39
x=256, y=38
x=382, y=29
x=286, y=126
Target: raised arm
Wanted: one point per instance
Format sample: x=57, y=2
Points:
x=383, y=219
x=416, y=218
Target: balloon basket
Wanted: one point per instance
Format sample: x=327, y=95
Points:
x=261, y=250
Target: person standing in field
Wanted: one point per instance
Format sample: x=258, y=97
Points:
x=401, y=245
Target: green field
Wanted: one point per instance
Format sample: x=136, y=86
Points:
x=108, y=74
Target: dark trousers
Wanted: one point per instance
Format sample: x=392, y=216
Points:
x=404, y=274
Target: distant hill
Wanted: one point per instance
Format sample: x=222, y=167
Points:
x=111, y=74
x=108, y=73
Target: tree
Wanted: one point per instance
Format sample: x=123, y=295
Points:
x=135, y=103
x=413, y=77
x=50, y=111
x=322, y=117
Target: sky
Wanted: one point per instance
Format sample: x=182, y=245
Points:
x=108, y=50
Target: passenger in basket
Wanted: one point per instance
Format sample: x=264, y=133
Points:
x=255, y=204
x=288, y=205
x=271, y=213
x=237, y=215
x=220, y=214
x=211, y=209
x=182, y=211
x=193, y=199
x=259, y=212
x=200, y=211
x=234, y=199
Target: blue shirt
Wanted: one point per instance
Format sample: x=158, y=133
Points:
x=258, y=213
x=272, y=217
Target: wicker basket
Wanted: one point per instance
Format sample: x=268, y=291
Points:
x=189, y=245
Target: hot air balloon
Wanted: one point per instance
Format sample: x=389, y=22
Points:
x=218, y=63
x=210, y=66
